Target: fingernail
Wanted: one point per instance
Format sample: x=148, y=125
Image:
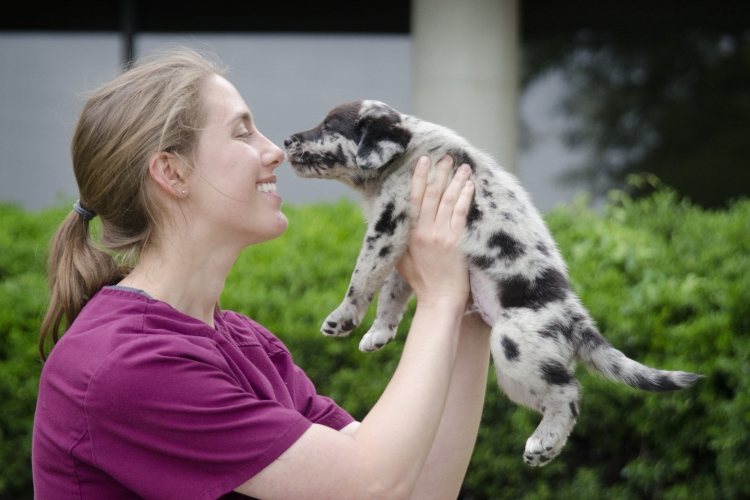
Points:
x=469, y=184
x=465, y=168
x=422, y=161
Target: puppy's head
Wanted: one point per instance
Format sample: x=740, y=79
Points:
x=351, y=144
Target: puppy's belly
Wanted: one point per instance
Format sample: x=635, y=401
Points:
x=484, y=294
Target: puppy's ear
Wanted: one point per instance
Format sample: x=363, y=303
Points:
x=382, y=139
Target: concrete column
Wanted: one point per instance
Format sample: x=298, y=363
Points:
x=466, y=70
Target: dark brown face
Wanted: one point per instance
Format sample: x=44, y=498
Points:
x=354, y=138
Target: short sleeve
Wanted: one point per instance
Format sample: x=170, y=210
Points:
x=169, y=419
x=316, y=408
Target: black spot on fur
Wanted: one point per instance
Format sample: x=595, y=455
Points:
x=492, y=205
x=373, y=238
x=507, y=216
x=540, y=246
x=329, y=332
x=347, y=325
x=387, y=223
x=555, y=328
x=510, y=348
x=517, y=291
x=474, y=214
x=660, y=383
x=392, y=327
x=332, y=324
x=331, y=158
x=343, y=120
x=591, y=339
x=510, y=248
x=573, y=410
x=383, y=128
x=384, y=251
x=351, y=291
x=393, y=296
x=486, y=194
x=460, y=157
x=555, y=373
x=543, y=459
x=481, y=261
x=433, y=150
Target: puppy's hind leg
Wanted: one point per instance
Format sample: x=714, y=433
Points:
x=534, y=370
x=560, y=405
x=394, y=297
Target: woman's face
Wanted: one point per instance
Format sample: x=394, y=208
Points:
x=233, y=188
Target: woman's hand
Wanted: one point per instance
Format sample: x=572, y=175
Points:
x=432, y=265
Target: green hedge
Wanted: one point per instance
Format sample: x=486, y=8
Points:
x=668, y=283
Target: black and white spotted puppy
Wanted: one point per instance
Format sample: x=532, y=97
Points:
x=519, y=281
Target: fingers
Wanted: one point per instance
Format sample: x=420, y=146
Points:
x=419, y=181
x=461, y=210
x=452, y=195
x=433, y=191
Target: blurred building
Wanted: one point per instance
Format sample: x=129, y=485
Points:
x=455, y=62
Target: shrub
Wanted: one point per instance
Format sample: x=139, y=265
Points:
x=667, y=282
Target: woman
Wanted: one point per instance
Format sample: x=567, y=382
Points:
x=154, y=392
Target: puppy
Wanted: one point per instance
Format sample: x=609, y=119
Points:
x=519, y=281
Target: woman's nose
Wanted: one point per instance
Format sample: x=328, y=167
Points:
x=274, y=156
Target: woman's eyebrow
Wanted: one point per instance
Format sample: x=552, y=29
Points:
x=242, y=116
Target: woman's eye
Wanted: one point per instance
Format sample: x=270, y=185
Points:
x=246, y=136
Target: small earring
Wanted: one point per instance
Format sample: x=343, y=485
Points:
x=184, y=192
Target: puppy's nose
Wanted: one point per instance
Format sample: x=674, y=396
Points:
x=289, y=140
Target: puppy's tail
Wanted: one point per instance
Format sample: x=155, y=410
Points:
x=599, y=355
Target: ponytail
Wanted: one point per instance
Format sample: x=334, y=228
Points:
x=156, y=106
x=77, y=271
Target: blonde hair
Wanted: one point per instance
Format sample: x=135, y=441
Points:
x=157, y=105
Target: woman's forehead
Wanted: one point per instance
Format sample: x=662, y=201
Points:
x=225, y=104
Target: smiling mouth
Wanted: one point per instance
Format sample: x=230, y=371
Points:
x=268, y=187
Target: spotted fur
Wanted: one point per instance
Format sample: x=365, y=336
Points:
x=519, y=281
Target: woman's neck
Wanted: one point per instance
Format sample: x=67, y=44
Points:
x=187, y=277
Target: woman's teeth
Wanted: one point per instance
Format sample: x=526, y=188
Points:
x=266, y=188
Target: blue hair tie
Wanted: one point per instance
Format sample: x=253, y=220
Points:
x=86, y=214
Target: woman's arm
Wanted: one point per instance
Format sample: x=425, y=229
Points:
x=451, y=451
x=385, y=456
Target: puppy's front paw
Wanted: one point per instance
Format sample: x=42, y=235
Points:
x=377, y=337
x=341, y=321
x=540, y=450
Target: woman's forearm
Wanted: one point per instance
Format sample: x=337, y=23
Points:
x=451, y=451
x=403, y=424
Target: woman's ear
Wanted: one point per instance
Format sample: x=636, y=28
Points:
x=169, y=172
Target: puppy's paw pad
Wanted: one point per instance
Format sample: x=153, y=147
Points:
x=540, y=451
x=339, y=324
